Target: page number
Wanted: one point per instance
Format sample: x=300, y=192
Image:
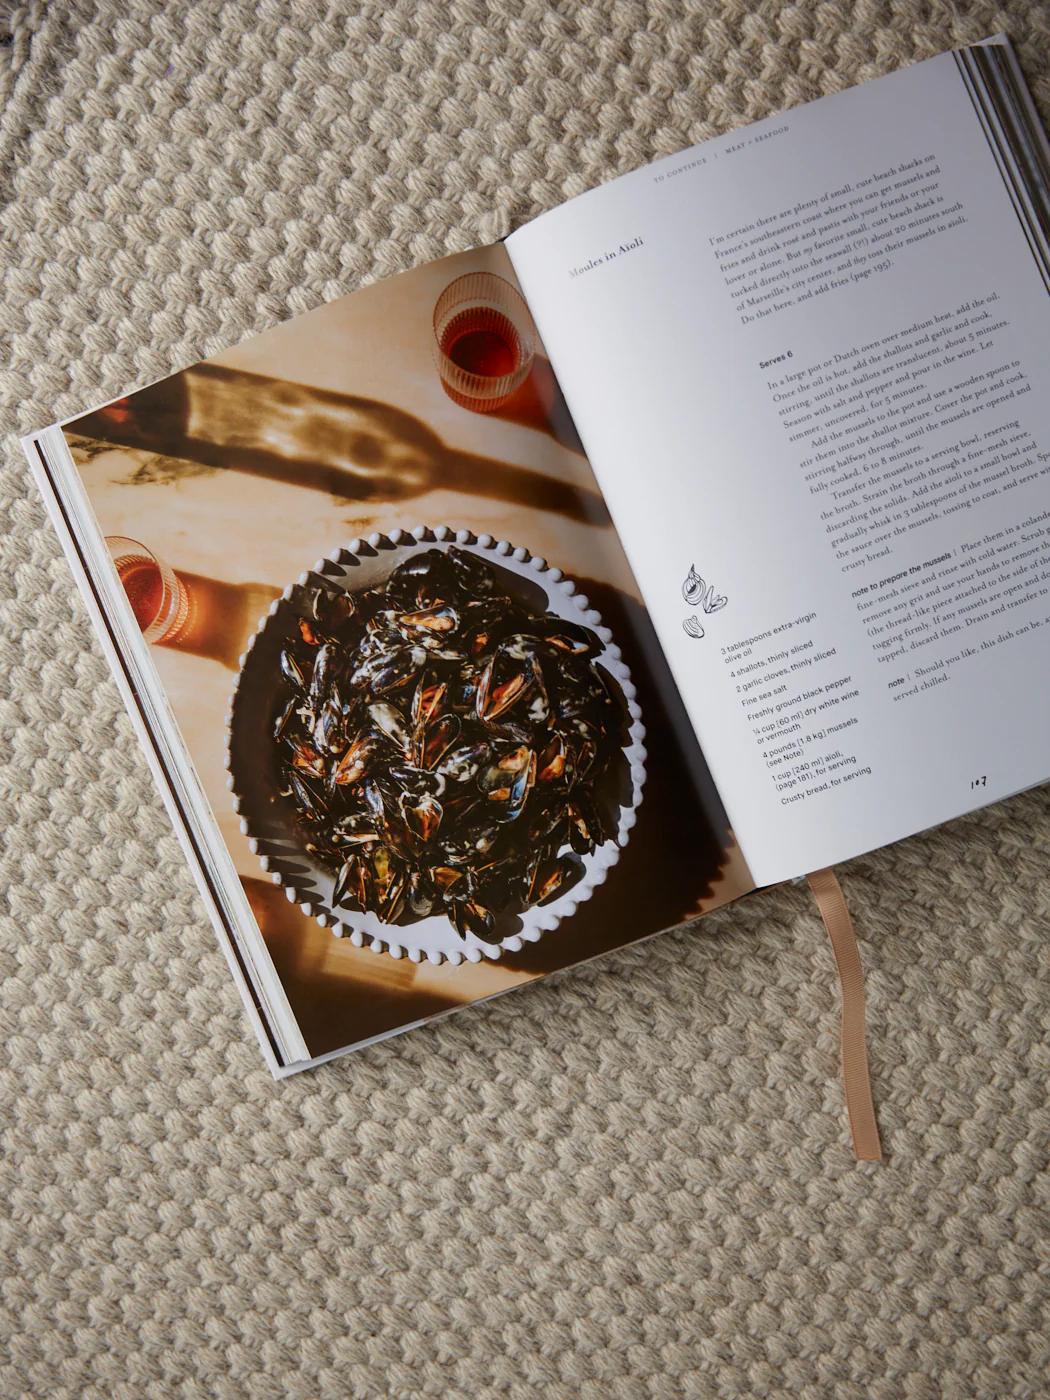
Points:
x=982, y=781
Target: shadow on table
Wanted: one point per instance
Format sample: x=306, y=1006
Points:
x=352, y=448
x=540, y=404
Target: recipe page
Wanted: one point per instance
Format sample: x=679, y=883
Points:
x=808, y=361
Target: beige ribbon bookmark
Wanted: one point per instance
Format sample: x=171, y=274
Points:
x=856, y=1080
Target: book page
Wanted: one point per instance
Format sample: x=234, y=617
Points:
x=389, y=658
x=808, y=361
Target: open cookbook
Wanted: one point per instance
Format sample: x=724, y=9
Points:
x=692, y=539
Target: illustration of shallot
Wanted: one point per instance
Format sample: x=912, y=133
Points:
x=698, y=593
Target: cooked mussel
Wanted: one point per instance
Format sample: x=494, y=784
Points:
x=353, y=883
x=291, y=669
x=549, y=877
x=390, y=722
x=422, y=813
x=435, y=740
x=469, y=916
x=508, y=782
x=427, y=624
x=352, y=766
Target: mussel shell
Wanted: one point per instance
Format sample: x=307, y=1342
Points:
x=538, y=705
x=582, y=826
x=482, y=624
x=468, y=916
x=444, y=649
x=291, y=669
x=580, y=691
x=284, y=715
x=497, y=884
x=372, y=796
x=428, y=700
x=352, y=766
x=353, y=883
x=475, y=578
x=326, y=662
x=371, y=661
x=333, y=609
x=585, y=739
x=463, y=689
x=464, y=761
x=508, y=782
x=309, y=799
x=356, y=829
x=502, y=771
x=420, y=892
x=521, y=646
x=461, y=801
x=370, y=601
x=390, y=722
x=385, y=670
x=447, y=878
x=310, y=602
x=510, y=732
x=406, y=777
x=570, y=637
x=475, y=837
x=520, y=789
x=421, y=578
x=500, y=696
x=436, y=739
x=392, y=904
x=502, y=683
x=308, y=760
x=399, y=670
x=616, y=703
x=389, y=881
x=546, y=826
x=549, y=876
x=329, y=732
x=554, y=764
x=422, y=814
x=382, y=625
x=427, y=623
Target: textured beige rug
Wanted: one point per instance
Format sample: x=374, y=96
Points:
x=634, y=1180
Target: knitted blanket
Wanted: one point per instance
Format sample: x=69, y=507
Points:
x=632, y=1180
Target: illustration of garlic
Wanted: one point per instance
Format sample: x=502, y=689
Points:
x=714, y=601
x=692, y=626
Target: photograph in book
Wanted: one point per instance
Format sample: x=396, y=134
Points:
x=405, y=654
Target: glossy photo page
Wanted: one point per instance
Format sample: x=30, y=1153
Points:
x=405, y=654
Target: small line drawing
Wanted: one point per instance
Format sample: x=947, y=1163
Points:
x=698, y=593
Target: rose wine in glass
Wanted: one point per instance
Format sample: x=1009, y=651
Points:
x=484, y=339
x=157, y=595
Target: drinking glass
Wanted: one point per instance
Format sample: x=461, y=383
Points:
x=484, y=341
x=157, y=595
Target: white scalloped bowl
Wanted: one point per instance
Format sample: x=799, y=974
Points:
x=268, y=820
